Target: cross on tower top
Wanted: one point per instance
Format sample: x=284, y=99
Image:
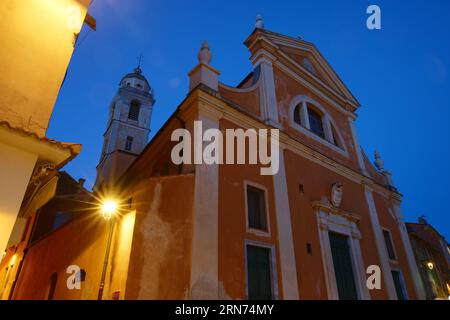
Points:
x=140, y=59
x=138, y=69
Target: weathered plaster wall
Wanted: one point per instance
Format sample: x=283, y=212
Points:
x=161, y=252
x=37, y=43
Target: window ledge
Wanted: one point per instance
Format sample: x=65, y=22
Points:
x=319, y=139
x=259, y=233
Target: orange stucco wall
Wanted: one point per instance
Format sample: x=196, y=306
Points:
x=81, y=242
x=160, y=257
x=233, y=223
x=316, y=181
x=78, y=243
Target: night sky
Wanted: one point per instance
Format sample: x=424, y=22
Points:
x=400, y=75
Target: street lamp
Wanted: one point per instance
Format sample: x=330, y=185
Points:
x=109, y=210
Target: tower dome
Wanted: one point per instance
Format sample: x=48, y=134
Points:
x=136, y=80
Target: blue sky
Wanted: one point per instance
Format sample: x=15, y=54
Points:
x=400, y=75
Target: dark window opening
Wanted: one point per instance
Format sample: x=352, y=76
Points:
x=297, y=117
x=259, y=273
x=398, y=282
x=135, y=108
x=389, y=244
x=256, y=208
x=129, y=144
x=315, y=123
x=335, y=139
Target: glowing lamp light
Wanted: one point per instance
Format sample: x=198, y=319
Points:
x=109, y=209
x=430, y=265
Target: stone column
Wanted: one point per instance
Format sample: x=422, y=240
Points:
x=418, y=285
x=380, y=245
x=285, y=238
x=205, y=235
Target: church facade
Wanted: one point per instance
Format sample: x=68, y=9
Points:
x=220, y=231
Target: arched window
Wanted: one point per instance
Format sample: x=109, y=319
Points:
x=315, y=122
x=309, y=117
x=135, y=108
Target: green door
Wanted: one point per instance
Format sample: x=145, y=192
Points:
x=259, y=273
x=343, y=269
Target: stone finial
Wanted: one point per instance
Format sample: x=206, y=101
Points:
x=423, y=220
x=204, y=73
x=379, y=163
x=259, y=22
x=205, y=55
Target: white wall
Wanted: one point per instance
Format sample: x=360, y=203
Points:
x=16, y=168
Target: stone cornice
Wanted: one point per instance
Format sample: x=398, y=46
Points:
x=329, y=208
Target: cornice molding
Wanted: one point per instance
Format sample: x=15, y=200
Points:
x=327, y=207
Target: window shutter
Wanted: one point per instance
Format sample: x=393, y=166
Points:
x=343, y=269
x=259, y=273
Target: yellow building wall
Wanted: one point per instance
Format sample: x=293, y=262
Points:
x=37, y=41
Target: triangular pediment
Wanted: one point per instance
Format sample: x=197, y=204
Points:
x=303, y=58
x=308, y=61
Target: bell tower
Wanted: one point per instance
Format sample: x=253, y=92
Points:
x=128, y=127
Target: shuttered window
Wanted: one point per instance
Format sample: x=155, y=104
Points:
x=259, y=278
x=343, y=268
x=256, y=209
